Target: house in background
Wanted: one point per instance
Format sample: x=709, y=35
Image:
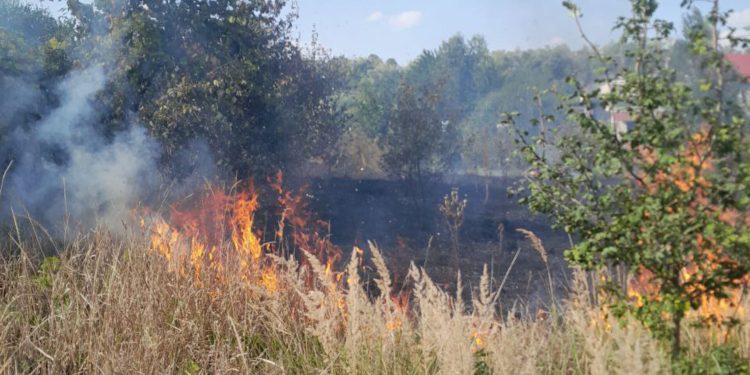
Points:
x=741, y=63
x=621, y=121
x=619, y=118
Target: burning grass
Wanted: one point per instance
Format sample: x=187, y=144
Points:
x=205, y=290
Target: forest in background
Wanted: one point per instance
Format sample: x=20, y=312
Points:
x=225, y=88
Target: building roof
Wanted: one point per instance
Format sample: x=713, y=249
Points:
x=741, y=62
x=621, y=116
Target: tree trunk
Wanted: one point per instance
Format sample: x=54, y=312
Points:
x=676, y=336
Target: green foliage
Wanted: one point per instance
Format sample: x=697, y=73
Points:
x=191, y=368
x=719, y=360
x=471, y=87
x=47, y=270
x=419, y=143
x=225, y=73
x=371, y=98
x=669, y=196
x=32, y=43
x=480, y=363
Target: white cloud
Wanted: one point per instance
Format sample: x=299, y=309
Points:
x=401, y=21
x=556, y=41
x=375, y=16
x=739, y=19
x=405, y=20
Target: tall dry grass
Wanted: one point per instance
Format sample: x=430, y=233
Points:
x=110, y=305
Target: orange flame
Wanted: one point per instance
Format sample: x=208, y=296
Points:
x=478, y=341
x=215, y=236
x=207, y=224
x=687, y=176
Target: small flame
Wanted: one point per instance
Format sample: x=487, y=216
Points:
x=393, y=324
x=478, y=341
x=270, y=280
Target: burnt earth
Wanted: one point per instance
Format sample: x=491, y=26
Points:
x=403, y=224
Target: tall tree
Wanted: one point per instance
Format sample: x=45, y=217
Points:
x=419, y=144
x=227, y=73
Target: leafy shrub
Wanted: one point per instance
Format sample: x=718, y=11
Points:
x=719, y=360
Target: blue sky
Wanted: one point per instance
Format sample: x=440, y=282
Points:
x=403, y=28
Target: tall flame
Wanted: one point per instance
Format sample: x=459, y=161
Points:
x=214, y=236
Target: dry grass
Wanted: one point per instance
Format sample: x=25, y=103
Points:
x=110, y=305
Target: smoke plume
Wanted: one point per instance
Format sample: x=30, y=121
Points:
x=64, y=165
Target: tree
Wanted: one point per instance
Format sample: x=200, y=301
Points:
x=669, y=200
x=29, y=37
x=227, y=73
x=472, y=88
x=33, y=57
x=371, y=100
x=418, y=143
x=317, y=121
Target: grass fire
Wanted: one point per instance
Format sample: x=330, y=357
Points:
x=234, y=186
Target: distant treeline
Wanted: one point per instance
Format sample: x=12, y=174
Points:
x=461, y=89
x=226, y=82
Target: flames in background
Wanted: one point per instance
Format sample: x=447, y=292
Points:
x=687, y=176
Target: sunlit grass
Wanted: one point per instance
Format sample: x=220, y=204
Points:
x=112, y=305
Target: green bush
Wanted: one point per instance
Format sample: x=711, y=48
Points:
x=720, y=360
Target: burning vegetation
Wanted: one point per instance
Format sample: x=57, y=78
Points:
x=641, y=162
x=721, y=309
x=214, y=234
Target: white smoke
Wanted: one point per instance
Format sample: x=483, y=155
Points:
x=22, y=95
x=65, y=166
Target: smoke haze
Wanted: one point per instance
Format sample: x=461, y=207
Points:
x=63, y=163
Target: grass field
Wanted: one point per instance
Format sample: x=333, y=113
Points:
x=115, y=304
